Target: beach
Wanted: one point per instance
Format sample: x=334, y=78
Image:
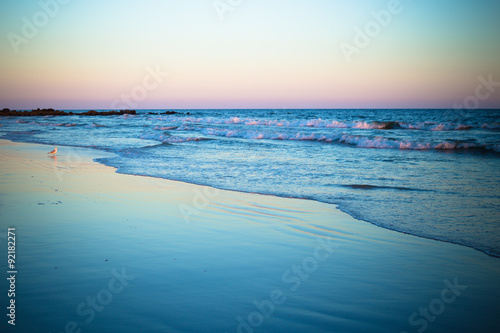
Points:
x=235, y=166
x=99, y=251
x=421, y=172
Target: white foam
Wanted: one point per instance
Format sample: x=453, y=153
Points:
x=319, y=123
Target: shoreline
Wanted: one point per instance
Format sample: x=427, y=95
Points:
x=335, y=205
x=77, y=221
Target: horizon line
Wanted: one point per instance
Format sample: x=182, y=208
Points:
x=277, y=109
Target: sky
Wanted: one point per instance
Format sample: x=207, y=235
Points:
x=175, y=54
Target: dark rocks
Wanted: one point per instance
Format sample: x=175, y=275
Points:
x=106, y=113
x=51, y=112
x=159, y=113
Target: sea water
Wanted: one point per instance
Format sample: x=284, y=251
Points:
x=430, y=173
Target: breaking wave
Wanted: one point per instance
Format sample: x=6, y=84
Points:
x=321, y=123
x=354, y=140
x=170, y=139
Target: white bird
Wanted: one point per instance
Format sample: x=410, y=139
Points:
x=53, y=152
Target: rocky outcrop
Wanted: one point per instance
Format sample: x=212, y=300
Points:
x=51, y=112
x=166, y=112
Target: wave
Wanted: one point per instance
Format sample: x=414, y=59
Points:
x=431, y=126
x=354, y=140
x=491, y=126
x=34, y=123
x=321, y=123
x=127, y=116
x=186, y=122
x=94, y=125
x=386, y=143
x=14, y=133
x=165, y=128
x=376, y=187
x=171, y=139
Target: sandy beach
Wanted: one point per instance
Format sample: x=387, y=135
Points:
x=235, y=166
x=98, y=251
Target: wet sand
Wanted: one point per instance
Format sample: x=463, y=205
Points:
x=98, y=251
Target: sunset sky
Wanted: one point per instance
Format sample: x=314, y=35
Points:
x=254, y=54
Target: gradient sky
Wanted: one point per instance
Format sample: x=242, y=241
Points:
x=263, y=54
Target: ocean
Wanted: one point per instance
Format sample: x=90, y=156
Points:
x=428, y=173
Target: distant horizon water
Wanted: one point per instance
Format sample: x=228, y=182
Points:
x=145, y=110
